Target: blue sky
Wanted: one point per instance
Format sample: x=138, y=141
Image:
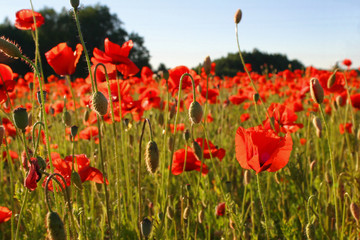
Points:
x=318, y=33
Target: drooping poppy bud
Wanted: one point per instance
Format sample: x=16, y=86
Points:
x=318, y=126
x=186, y=212
x=197, y=149
x=86, y=114
x=66, y=118
x=170, y=212
x=332, y=79
x=55, y=226
x=195, y=112
x=355, y=211
x=76, y=180
x=151, y=157
x=99, y=103
x=145, y=227
x=38, y=95
x=238, y=16
x=21, y=118
x=201, y=216
x=9, y=48
x=207, y=65
x=187, y=135
x=316, y=91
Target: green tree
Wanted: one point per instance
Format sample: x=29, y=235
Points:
x=97, y=23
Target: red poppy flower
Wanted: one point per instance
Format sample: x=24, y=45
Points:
x=118, y=55
x=244, y=117
x=284, y=119
x=25, y=21
x=347, y=62
x=33, y=175
x=303, y=141
x=5, y=214
x=63, y=59
x=89, y=133
x=261, y=149
x=6, y=82
x=348, y=128
x=82, y=165
x=175, y=76
x=215, y=150
x=220, y=209
x=192, y=162
x=355, y=100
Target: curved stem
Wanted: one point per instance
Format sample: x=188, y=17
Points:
x=33, y=135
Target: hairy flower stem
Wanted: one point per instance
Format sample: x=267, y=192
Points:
x=68, y=80
x=23, y=205
x=251, y=80
x=263, y=206
x=333, y=169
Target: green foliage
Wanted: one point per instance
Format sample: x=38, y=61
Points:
x=260, y=62
x=97, y=23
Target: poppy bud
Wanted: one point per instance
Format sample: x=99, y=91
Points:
x=187, y=135
x=151, y=157
x=328, y=178
x=186, y=212
x=247, y=177
x=316, y=91
x=55, y=227
x=21, y=118
x=172, y=111
x=145, y=227
x=312, y=165
x=9, y=48
x=197, y=149
x=310, y=231
x=256, y=97
x=317, y=123
x=331, y=79
x=31, y=86
x=66, y=118
x=318, y=133
x=238, y=16
x=170, y=212
x=355, y=211
x=41, y=162
x=201, y=216
x=207, y=65
x=2, y=133
x=76, y=180
x=73, y=130
x=161, y=119
x=195, y=112
x=30, y=119
x=199, y=88
x=38, y=95
x=171, y=143
x=99, y=103
x=75, y=3
x=339, y=100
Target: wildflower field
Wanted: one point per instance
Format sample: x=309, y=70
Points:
x=128, y=153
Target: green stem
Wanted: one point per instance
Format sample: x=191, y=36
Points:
x=263, y=206
x=21, y=213
x=333, y=170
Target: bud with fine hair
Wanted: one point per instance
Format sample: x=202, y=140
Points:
x=151, y=157
x=75, y=3
x=332, y=79
x=256, y=97
x=66, y=118
x=99, y=103
x=238, y=16
x=55, y=227
x=197, y=149
x=38, y=95
x=21, y=118
x=317, y=123
x=339, y=101
x=355, y=211
x=76, y=180
x=74, y=130
x=207, y=65
x=316, y=91
x=9, y=48
x=195, y=112
x=187, y=135
x=145, y=227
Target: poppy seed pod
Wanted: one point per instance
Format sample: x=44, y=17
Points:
x=55, y=226
x=66, y=118
x=310, y=231
x=195, y=112
x=21, y=118
x=207, y=65
x=355, y=211
x=316, y=91
x=331, y=79
x=145, y=227
x=76, y=180
x=197, y=149
x=75, y=3
x=99, y=103
x=238, y=16
x=9, y=48
x=151, y=157
x=41, y=162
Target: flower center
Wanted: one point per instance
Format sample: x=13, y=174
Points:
x=264, y=157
